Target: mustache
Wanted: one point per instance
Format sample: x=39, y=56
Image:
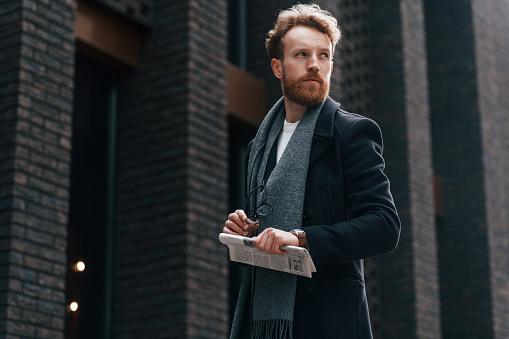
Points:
x=314, y=75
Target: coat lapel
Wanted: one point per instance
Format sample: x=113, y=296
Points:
x=324, y=129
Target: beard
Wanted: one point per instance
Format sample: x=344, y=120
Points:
x=302, y=93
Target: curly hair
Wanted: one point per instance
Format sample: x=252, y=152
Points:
x=304, y=15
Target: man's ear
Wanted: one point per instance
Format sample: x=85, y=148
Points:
x=331, y=66
x=277, y=68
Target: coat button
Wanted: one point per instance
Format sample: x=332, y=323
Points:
x=307, y=214
x=310, y=287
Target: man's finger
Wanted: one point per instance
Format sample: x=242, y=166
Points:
x=234, y=227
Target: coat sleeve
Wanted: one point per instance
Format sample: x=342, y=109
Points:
x=373, y=227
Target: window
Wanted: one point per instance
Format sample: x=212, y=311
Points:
x=237, y=33
x=90, y=228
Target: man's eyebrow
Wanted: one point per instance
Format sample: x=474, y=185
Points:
x=298, y=49
x=307, y=47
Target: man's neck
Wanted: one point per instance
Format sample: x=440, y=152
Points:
x=294, y=111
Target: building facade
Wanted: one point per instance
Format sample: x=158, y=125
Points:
x=123, y=127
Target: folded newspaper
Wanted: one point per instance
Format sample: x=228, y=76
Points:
x=296, y=260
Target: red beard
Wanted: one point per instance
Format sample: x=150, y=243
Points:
x=302, y=93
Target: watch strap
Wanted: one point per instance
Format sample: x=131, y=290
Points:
x=301, y=235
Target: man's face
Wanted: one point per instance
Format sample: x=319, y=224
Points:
x=307, y=65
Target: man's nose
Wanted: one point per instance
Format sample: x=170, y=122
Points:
x=313, y=63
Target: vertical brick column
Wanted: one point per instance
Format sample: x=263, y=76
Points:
x=207, y=168
x=464, y=254
x=469, y=76
x=491, y=34
x=408, y=283
x=171, y=278
x=36, y=87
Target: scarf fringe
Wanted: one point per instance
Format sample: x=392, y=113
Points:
x=272, y=329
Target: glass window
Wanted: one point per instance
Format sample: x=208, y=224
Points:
x=91, y=207
x=237, y=33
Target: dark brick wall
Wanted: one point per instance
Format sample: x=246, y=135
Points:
x=468, y=71
x=207, y=170
x=409, y=276
x=491, y=33
x=353, y=59
x=171, y=273
x=464, y=254
x=36, y=86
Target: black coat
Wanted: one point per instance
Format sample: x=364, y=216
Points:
x=348, y=215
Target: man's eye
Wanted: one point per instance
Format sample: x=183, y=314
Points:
x=301, y=54
x=325, y=55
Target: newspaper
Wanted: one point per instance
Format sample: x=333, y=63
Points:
x=296, y=260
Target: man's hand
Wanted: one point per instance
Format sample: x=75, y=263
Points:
x=238, y=224
x=270, y=241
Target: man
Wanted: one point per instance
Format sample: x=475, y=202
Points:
x=315, y=179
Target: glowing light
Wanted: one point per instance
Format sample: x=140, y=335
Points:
x=80, y=266
x=73, y=306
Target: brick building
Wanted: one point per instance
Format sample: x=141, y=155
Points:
x=123, y=126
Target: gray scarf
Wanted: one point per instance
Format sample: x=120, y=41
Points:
x=273, y=292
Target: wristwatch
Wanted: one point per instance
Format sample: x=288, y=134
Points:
x=301, y=235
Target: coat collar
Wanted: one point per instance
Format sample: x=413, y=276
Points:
x=324, y=128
